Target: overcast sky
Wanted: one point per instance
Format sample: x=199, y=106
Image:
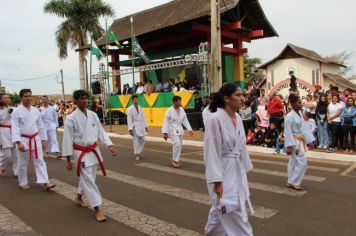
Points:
x=28, y=48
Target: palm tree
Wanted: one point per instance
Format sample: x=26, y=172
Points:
x=81, y=19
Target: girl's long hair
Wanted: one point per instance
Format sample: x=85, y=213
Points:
x=218, y=100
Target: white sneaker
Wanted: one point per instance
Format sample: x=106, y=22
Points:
x=325, y=147
x=275, y=153
x=319, y=147
x=283, y=153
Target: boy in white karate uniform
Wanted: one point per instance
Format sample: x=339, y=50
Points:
x=50, y=121
x=82, y=131
x=174, y=118
x=30, y=136
x=226, y=165
x=137, y=126
x=297, y=136
x=8, y=151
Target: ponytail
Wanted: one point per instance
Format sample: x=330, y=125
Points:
x=218, y=99
x=1, y=95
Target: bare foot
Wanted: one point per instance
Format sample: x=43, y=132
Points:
x=351, y=151
x=138, y=158
x=81, y=202
x=48, y=186
x=175, y=164
x=2, y=173
x=99, y=215
x=25, y=187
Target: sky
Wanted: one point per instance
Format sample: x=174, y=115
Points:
x=28, y=48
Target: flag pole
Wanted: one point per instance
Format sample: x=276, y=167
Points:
x=107, y=72
x=91, y=66
x=132, y=56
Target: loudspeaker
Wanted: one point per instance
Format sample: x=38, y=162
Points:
x=95, y=87
x=194, y=76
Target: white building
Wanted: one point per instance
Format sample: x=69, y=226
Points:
x=308, y=66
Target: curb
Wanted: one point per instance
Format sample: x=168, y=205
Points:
x=254, y=149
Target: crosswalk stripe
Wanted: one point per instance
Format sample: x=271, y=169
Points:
x=253, y=185
x=311, y=167
x=260, y=211
x=266, y=172
x=141, y=222
x=10, y=224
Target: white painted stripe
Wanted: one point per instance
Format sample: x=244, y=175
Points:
x=260, y=212
x=10, y=224
x=349, y=170
x=139, y=221
x=266, y=172
x=257, y=186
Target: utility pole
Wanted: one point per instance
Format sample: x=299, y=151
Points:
x=62, y=84
x=216, y=72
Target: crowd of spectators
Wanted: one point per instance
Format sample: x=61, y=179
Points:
x=330, y=115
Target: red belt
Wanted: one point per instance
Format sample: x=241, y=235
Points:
x=30, y=137
x=5, y=126
x=87, y=149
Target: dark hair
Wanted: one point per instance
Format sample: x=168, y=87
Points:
x=347, y=101
x=134, y=96
x=23, y=91
x=247, y=103
x=263, y=90
x=218, y=101
x=293, y=99
x=176, y=98
x=80, y=93
x=1, y=95
x=196, y=92
x=308, y=114
x=45, y=96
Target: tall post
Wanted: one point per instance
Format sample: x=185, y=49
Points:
x=132, y=56
x=107, y=73
x=216, y=72
x=62, y=84
x=91, y=66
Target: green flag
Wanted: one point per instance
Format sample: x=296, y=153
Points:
x=113, y=38
x=95, y=50
x=139, y=51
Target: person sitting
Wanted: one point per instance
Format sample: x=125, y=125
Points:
x=139, y=89
x=258, y=137
x=271, y=136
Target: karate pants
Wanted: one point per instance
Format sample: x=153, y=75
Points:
x=177, y=141
x=40, y=167
x=7, y=156
x=87, y=186
x=52, y=143
x=230, y=224
x=138, y=144
x=297, y=166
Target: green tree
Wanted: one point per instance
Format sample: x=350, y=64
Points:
x=250, y=66
x=343, y=59
x=14, y=99
x=81, y=19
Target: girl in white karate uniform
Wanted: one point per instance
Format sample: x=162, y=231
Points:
x=227, y=163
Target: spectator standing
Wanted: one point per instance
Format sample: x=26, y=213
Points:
x=167, y=86
x=140, y=88
x=275, y=111
x=246, y=116
x=348, y=119
x=263, y=99
x=198, y=108
x=159, y=87
x=149, y=87
x=309, y=105
x=334, y=120
x=322, y=122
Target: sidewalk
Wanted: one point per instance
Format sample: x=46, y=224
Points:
x=155, y=135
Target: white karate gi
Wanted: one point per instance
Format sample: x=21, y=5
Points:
x=294, y=125
x=85, y=130
x=172, y=125
x=136, y=122
x=29, y=122
x=227, y=161
x=50, y=121
x=8, y=151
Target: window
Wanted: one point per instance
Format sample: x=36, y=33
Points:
x=313, y=77
x=317, y=76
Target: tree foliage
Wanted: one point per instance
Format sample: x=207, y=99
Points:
x=81, y=17
x=250, y=66
x=342, y=58
x=14, y=98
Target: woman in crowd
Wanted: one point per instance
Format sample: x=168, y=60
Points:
x=348, y=119
x=309, y=105
x=246, y=117
x=321, y=119
x=334, y=120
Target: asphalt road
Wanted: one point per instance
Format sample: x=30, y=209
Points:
x=151, y=198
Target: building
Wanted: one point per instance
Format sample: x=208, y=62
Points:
x=308, y=66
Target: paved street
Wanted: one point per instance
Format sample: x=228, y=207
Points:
x=151, y=198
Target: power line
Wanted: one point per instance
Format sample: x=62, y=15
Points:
x=29, y=79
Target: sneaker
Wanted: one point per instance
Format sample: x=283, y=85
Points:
x=283, y=153
x=319, y=147
x=275, y=153
x=329, y=150
x=325, y=147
